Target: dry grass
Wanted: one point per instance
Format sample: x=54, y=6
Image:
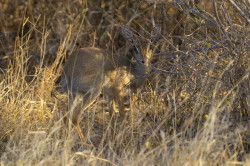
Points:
x=194, y=109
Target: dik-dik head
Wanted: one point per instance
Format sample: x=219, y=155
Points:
x=143, y=48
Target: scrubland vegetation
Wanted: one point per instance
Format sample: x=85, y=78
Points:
x=193, y=110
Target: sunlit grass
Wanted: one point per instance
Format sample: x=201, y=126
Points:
x=192, y=111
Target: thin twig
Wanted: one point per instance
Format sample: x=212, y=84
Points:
x=239, y=9
x=197, y=13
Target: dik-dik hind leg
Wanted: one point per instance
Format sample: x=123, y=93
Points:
x=82, y=102
x=75, y=101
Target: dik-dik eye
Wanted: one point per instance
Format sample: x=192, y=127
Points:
x=135, y=49
x=142, y=61
x=151, y=47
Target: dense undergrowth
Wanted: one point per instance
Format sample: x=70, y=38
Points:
x=194, y=109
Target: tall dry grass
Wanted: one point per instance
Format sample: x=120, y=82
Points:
x=194, y=109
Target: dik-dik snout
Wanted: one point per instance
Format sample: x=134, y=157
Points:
x=90, y=71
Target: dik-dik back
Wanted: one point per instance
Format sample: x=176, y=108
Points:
x=90, y=71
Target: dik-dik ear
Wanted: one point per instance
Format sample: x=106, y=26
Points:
x=156, y=32
x=129, y=35
x=155, y=35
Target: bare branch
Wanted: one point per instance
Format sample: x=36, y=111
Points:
x=197, y=13
x=239, y=9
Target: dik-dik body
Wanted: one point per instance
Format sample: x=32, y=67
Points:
x=90, y=71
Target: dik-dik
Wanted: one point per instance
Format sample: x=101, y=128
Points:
x=90, y=71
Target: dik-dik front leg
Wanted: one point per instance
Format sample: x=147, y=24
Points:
x=120, y=101
x=116, y=98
